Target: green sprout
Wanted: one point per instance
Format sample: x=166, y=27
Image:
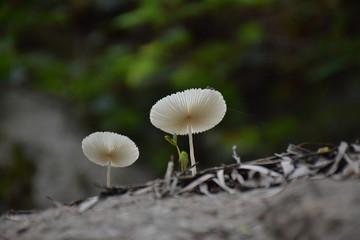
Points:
x=184, y=160
x=183, y=156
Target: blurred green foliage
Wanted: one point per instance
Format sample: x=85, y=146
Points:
x=289, y=70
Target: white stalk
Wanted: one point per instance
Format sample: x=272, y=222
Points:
x=192, y=157
x=108, y=181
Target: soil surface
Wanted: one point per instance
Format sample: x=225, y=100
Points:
x=307, y=209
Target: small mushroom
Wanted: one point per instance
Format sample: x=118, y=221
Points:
x=111, y=150
x=189, y=112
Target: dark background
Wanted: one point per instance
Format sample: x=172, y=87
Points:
x=288, y=69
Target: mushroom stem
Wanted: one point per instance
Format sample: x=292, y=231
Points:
x=108, y=176
x=192, y=157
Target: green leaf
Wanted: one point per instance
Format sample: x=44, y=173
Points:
x=184, y=160
x=170, y=140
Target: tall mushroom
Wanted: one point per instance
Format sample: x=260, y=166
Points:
x=189, y=112
x=111, y=150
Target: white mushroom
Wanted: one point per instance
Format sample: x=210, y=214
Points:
x=188, y=112
x=110, y=149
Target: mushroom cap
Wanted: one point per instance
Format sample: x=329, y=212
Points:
x=104, y=147
x=201, y=109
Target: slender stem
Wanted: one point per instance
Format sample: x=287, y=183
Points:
x=108, y=180
x=178, y=150
x=192, y=157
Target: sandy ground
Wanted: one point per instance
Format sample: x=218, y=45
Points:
x=318, y=209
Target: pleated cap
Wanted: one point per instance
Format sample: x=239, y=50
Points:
x=104, y=147
x=199, y=109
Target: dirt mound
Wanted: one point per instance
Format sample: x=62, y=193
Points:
x=322, y=209
x=300, y=194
